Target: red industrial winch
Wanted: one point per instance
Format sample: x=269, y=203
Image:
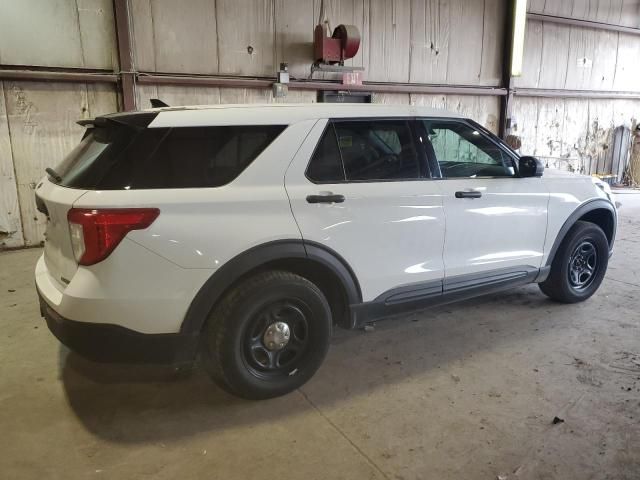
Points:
x=342, y=45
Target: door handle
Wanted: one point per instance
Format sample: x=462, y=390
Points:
x=326, y=198
x=469, y=194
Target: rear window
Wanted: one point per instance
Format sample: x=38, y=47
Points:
x=126, y=157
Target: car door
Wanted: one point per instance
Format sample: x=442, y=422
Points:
x=360, y=188
x=495, y=220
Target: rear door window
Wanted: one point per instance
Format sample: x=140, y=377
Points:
x=186, y=157
x=367, y=150
x=326, y=164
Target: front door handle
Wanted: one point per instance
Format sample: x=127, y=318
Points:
x=326, y=198
x=469, y=194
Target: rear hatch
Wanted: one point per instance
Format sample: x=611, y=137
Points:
x=83, y=169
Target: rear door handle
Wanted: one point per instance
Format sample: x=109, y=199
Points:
x=328, y=198
x=469, y=194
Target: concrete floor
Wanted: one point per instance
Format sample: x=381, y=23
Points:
x=465, y=391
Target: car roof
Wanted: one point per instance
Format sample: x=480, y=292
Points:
x=283, y=114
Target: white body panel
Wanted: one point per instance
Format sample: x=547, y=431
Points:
x=284, y=114
x=206, y=227
x=390, y=233
x=505, y=227
x=567, y=191
x=133, y=287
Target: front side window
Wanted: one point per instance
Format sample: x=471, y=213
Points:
x=463, y=151
x=368, y=150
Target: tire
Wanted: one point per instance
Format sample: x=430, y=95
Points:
x=244, y=351
x=584, y=248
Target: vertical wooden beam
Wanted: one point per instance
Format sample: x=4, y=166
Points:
x=504, y=125
x=125, y=55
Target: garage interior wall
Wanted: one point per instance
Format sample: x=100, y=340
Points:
x=404, y=42
x=576, y=133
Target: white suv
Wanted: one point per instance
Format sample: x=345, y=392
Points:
x=248, y=232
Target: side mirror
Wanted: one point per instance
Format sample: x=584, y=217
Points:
x=530, y=167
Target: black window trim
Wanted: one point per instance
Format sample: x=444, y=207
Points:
x=487, y=135
x=423, y=164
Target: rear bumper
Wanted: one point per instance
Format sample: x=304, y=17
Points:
x=113, y=343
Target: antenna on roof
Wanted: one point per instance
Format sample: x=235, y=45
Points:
x=157, y=103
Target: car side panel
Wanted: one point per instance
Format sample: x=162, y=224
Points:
x=503, y=228
x=567, y=193
x=389, y=232
x=206, y=227
x=133, y=288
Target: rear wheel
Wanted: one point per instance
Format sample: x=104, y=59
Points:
x=579, y=265
x=268, y=335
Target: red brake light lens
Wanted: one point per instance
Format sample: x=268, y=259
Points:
x=95, y=233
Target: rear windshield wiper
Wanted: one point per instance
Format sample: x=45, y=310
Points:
x=52, y=173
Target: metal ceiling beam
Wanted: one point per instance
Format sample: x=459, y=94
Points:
x=582, y=23
x=125, y=54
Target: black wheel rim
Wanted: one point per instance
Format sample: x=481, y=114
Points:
x=583, y=265
x=269, y=356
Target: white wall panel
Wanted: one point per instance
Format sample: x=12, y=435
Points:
x=58, y=33
x=170, y=36
x=570, y=57
x=246, y=37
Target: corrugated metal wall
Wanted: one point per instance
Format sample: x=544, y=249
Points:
x=418, y=41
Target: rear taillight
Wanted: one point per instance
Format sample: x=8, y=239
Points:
x=96, y=232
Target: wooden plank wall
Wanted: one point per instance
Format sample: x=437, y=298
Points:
x=37, y=120
x=576, y=133
x=421, y=41
x=10, y=222
x=572, y=133
x=42, y=127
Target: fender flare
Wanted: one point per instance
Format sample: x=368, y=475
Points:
x=584, y=208
x=240, y=265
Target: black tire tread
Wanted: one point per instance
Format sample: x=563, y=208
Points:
x=556, y=285
x=217, y=323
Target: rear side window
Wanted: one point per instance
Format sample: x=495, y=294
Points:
x=371, y=150
x=187, y=157
x=326, y=165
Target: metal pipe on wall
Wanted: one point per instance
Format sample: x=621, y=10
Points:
x=58, y=76
x=374, y=87
x=582, y=23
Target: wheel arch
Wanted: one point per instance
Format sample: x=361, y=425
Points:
x=598, y=211
x=319, y=264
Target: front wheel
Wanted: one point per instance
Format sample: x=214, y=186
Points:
x=579, y=265
x=268, y=335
